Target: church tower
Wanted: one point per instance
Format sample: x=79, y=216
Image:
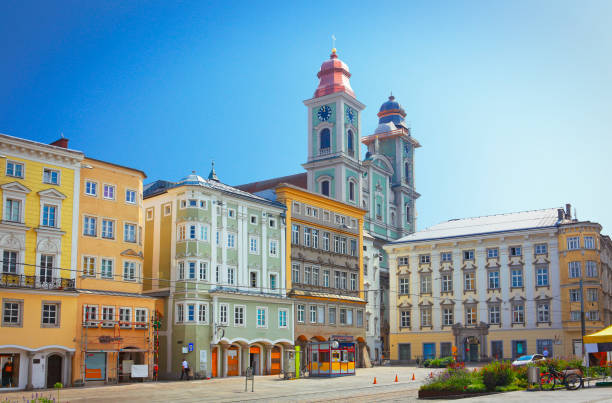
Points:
x=390, y=193
x=334, y=129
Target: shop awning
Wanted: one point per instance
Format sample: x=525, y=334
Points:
x=603, y=336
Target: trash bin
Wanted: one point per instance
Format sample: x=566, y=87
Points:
x=533, y=374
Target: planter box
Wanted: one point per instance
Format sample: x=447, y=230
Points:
x=441, y=394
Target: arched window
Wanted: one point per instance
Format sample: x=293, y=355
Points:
x=352, y=191
x=325, y=188
x=392, y=218
x=407, y=171
x=350, y=142
x=324, y=141
x=407, y=213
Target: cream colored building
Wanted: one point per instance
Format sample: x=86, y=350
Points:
x=488, y=285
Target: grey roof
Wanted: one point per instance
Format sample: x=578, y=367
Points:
x=192, y=179
x=523, y=220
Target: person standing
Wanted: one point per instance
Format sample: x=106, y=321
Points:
x=545, y=353
x=185, y=372
x=7, y=374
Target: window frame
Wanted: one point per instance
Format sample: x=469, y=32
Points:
x=19, y=304
x=15, y=164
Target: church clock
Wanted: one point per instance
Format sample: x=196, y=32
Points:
x=324, y=113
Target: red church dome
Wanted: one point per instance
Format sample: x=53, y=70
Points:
x=333, y=77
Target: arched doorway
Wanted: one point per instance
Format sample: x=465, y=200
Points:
x=233, y=361
x=255, y=359
x=472, y=348
x=275, y=367
x=54, y=370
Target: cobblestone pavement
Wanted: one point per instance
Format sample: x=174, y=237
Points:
x=272, y=389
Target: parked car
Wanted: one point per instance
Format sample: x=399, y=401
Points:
x=527, y=359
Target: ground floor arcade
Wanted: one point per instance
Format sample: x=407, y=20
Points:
x=25, y=368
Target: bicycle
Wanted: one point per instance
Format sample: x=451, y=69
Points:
x=549, y=380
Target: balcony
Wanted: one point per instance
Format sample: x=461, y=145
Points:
x=10, y=280
x=325, y=151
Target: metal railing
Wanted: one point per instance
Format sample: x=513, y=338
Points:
x=11, y=280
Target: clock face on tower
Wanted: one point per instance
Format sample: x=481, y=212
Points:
x=324, y=113
x=350, y=115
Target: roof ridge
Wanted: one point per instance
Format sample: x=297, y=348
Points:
x=496, y=215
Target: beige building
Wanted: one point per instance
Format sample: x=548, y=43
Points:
x=488, y=285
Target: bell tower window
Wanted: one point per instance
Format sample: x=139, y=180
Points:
x=407, y=213
x=350, y=142
x=407, y=171
x=325, y=188
x=352, y=191
x=324, y=142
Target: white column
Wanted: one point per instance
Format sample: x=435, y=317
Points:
x=554, y=281
x=264, y=253
x=458, y=286
x=481, y=283
x=224, y=350
x=213, y=240
x=219, y=360
x=529, y=283
x=415, y=315
x=436, y=319
x=505, y=285
x=239, y=243
x=281, y=245
x=223, y=242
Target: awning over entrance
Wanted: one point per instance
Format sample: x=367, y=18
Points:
x=603, y=336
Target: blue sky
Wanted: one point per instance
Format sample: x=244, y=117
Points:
x=512, y=101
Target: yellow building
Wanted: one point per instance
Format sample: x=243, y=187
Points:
x=40, y=188
x=581, y=258
x=113, y=316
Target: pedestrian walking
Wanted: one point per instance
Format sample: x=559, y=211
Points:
x=185, y=371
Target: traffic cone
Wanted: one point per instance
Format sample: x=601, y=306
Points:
x=413, y=378
x=396, y=378
x=431, y=374
x=374, y=381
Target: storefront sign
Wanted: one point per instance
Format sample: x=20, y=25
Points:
x=341, y=337
x=190, y=346
x=109, y=339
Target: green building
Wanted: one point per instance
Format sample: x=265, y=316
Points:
x=216, y=254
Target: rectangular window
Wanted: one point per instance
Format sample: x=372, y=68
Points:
x=574, y=270
x=425, y=283
x=191, y=270
x=203, y=271
x=125, y=317
x=109, y=192
x=13, y=210
x=204, y=232
x=108, y=229
x=129, y=271
x=541, y=249
x=575, y=316
x=446, y=257
x=239, y=315
x=343, y=245
x=223, y=313
x=326, y=241
x=295, y=273
x=343, y=282
x=592, y=294
x=424, y=259
x=320, y=314
x=49, y=218
x=253, y=279
x=313, y=314
x=9, y=262
x=14, y=169
x=405, y=319
x=300, y=313
x=332, y=315
x=591, y=268
x=106, y=268
x=573, y=243
x=494, y=314
x=273, y=247
x=191, y=312
x=91, y=188
x=353, y=281
x=273, y=282
x=130, y=196
x=295, y=234
x=342, y=316
x=574, y=295
x=306, y=274
x=129, y=233
x=192, y=232
x=231, y=240
x=493, y=279
x=50, y=315
x=325, y=278
x=202, y=313
x=306, y=239
x=336, y=244
x=254, y=220
x=492, y=253
x=90, y=313
x=336, y=279
x=90, y=226
x=447, y=316
x=315, y=238
x=253, y=245
x=542, y=276
x=353, y=247
x=447, y=283
x=518, y=313
x=89, y=266
x=282, y=318
x=359, y=318
x=589, y=242
x=468, y=255
x=181, y=270
x=543, y=313
x=516, y=251
x=315, y=276
x=261, y=317
x=402, y=261
x=180, y=313
x=404, y=286
x=470, y=315
x=51, y=176
x=108, y=313
x=425, y=317
x=592, y=315
x=469, y=281
x=349, y=317
x=517, y=277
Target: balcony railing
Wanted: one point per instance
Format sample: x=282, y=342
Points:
x=10, y=280
x=325, y=151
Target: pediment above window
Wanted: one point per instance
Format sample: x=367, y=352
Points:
x=52, y=194
x=131, y=253
x=494, y=299
x=404, y=304
x=470, y=301
x=447, y=301
x=15, y=187
x=517, y=298
x=425, y=303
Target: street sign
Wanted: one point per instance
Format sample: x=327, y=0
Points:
x=190, y=347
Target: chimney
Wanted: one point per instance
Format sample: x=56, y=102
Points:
x=560, y=214
x=61, y=142
x=568, y=211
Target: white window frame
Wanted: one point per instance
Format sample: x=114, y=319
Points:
x=254, y=239
x=125, y=226
x=280, y=321
x=50, y=171
x=573, y=243
x=104, y=186
x=265, y=310
x=301, y=312
x=244, y=315
x=589, y=242
x=91, y=259
x=125, y=324
x=135, y=271
x=203, y=305
x=167, y=209
x=273, y=248
x=91, y=182
x=226, y=306
x=15, y=163
x=128, y=192
x=102, y=231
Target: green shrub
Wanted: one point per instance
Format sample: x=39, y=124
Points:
x=497, y=374
x=451, y=380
